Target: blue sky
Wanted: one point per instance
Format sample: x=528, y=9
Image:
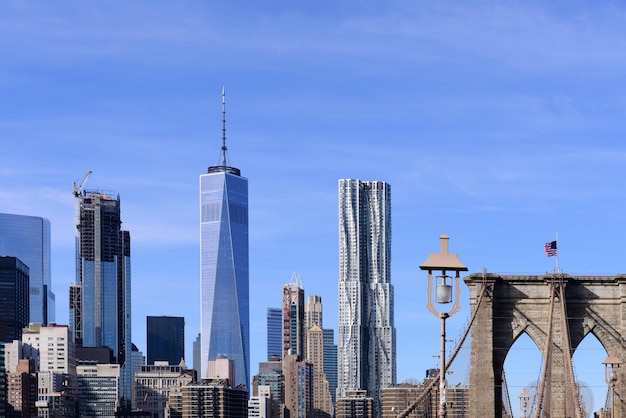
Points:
x=497, y=123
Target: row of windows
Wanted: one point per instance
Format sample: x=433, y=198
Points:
x=212, y=212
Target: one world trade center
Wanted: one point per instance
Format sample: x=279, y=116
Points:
x=224, y=281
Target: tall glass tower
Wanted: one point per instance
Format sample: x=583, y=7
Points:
x=100, y=301
x=274, y=333
x=224, y=282
x=28, y=238
x=330, y=360
x=367, y=337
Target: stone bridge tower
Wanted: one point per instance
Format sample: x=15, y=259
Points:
x=522, y=304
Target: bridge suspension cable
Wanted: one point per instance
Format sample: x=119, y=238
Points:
x=428, y=388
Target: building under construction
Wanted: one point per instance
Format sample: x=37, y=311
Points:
x=100, y=300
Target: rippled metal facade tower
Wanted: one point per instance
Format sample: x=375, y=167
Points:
x=367, y=337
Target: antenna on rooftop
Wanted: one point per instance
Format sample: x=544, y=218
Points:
x=224, y=164
x=296, y=279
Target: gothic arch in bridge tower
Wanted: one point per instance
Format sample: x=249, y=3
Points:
x=538, y=306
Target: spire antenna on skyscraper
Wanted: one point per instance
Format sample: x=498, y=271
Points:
x=224, y=149
x=222, y=164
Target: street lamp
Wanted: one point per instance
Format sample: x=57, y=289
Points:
x=524, y=402
x=443, y=262
x=610, y=377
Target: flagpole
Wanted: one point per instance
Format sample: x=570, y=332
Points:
x=557, y=252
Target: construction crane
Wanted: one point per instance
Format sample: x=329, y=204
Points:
x=79, y=189
x=143, y=404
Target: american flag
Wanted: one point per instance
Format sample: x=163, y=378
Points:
x=550, y=249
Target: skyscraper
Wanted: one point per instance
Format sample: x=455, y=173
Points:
x=367, y=338
x=294, y=333
x=313, y=312
x=28, y=238
x=13, y=298
x=100, y=301
x=224, y=282
x=196, y=355
x=165, y=339
x=322, y=400
x=330, y=360
x=298, y=375
x=274, y=332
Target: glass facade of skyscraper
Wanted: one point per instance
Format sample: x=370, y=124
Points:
x=100, y=301
x=367, y=336
x=165, y=339
x=28, y=238
x=330, y=361
x=224, y=282
x=274, y=332
x=13, y=298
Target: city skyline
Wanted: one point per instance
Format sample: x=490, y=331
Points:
x=494, y=123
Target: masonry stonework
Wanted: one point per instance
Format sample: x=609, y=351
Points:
x=522, y=304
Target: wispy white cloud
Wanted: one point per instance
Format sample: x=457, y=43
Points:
x=534, y=37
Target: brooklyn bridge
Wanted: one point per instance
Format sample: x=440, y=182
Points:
x=557, y=311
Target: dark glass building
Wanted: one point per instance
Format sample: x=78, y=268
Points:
x=166, y=339
x=274, y=333
x=28, y=238
x=14, y=306
x=330, y=361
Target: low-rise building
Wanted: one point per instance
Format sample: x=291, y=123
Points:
x=53, y=350
x=158, y=388
x=355, y=403
x=22, y=390
x=98, y=389
x=260, y=406
x=214, y=398
x=396, y=399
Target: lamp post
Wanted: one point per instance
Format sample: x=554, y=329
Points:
x=524, y=402
x=610, y=377
x=443, y=262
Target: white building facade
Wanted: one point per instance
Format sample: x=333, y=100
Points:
x=260, y=406
x=158, y=388
x=52, y=347
x=366, y=333
x=98, y=389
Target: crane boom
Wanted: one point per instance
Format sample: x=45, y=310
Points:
x=79, y=189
